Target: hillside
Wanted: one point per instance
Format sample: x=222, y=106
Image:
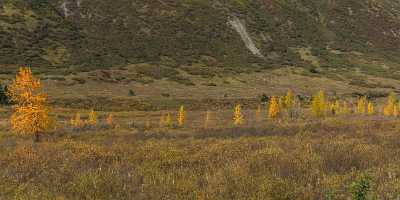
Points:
x=144, y=41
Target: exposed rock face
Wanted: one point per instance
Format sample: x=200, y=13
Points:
x=241, y=29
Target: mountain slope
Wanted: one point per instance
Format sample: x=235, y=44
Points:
x=96, y=32
x=352, y=42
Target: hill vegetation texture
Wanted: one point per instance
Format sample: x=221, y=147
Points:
x=216, y=49
x=83, y=34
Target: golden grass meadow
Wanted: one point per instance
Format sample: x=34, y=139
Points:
x=284, y=149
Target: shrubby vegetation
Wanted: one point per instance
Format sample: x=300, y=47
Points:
x=298, y=160
x=4, y=98
x=169, y=35
x=285, y=149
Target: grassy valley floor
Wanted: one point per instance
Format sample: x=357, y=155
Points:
x=332, y=158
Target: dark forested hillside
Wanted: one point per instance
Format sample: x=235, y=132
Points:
x=89, y=34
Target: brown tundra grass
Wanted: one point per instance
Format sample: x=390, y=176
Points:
x=302, y=159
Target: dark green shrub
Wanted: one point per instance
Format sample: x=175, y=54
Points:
x=132, y=93
x=360, y=188
x=4, y=99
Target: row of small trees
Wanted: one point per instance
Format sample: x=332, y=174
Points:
x=77, y=122
x=277, y=105
x=166, y=120
x=31, y=113
x=321, y=106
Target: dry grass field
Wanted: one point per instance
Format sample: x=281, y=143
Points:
x=143, y=154
x=307, y=158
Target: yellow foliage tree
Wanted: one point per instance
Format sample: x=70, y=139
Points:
x=110, y=120
x=389, y=108
x=289, y=100
x=76, y=122
x=371, y=108
x=319, y=104
x=274, y=108
x=207, y=119
x=259, y=113
x=392, y=98
x=345, y=109
x=281, y=102
x=238, y=118
x=361, y=105
x=31, y=114
x=168, y=120
x=329, y=107
x=396, y=111
x=181, y=116
x=290, y=104
x=92, y=118
x=72, y=121
x=335, y=107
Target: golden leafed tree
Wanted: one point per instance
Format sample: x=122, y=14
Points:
x=238, y=118
x=207, y=119
x=315, y=106
x=389, y=108
x=76, y=121
x=361, y=105
x=281, y=102
x=274, y=108
x=335, y=107
x=181, y=116
x=345, y=109
x=290, y=104
x=110, y=120
x=396, y=111
x=31, y=114
x=323, y=101
x=392, y=98
x=92, y=118
x=259, y=113
x=289, y=100
x=371, y=108
x=319, y=104
x=72, y=121
x=168, y=120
